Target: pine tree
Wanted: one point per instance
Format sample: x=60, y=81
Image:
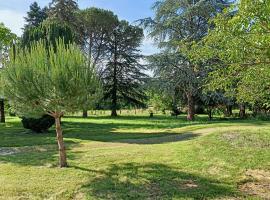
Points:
x=41, y=81
x=123, y=76
x=63, y=10
x=35, y=16
x=94, y=27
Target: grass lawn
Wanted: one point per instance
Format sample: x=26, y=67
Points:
x=135, y=157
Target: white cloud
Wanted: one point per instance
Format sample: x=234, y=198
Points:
x=13, y=20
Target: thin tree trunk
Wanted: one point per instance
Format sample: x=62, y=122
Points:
x=2, y=111
x=210, y=114
x=242, y=111
x=85, y=114
x=191, y=107
x=228, y=111
x=61, y=146
x=114, y=90
x=114, y=102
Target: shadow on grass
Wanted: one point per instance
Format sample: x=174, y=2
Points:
x=44, y=155
x=151, y=181
x=106, y=129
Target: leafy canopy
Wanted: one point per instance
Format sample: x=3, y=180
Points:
x=240, y=40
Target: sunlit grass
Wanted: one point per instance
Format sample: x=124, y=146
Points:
x=134, y=157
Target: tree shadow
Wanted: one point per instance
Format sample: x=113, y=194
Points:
x=130, y=133
x=42, y=156
x=166, y=138
x=152, y=181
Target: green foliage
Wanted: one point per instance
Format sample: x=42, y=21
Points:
x=177, y=22
x=39, y=125
x=42, y=81
x=7, y=39
x=6, y=36
x=159, y=101
x=49, y=31
x=123, y=75
x=63, y=10
x=94, y=28
x=35, y=16
x=240, y=40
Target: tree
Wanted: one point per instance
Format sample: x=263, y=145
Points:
x=94, y=27
x=41, y=81
x=35, y=16
x=183, y=22
x=159, y=97
x=50, y=31
x=7, y=39
x=63, y=10
x=213, y=100
x=245, y=57
x=172, y=71
x=123, y=74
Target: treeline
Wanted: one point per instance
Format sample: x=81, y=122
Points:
x=213, y=54
x=109, y=44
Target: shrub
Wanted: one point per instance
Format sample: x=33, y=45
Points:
x=39, y=125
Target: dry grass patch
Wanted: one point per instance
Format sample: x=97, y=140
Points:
x=256, y=183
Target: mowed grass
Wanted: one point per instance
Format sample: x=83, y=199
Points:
x=136, y=157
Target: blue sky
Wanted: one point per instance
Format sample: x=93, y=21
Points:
x=13, y=11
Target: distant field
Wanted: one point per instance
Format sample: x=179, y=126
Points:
x=137, y=157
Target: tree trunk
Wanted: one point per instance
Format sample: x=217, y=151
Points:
x=255, y=111
x=85, y=114
x=114, y=103
x=114, y=112
x=191, y=107
x=2, y=111
x=114, y=89
x=228, y=111
x=61, y=146
x=242, y=111
x=210, y=114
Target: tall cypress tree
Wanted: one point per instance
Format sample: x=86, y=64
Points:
x=123, y=75
x=35, y=16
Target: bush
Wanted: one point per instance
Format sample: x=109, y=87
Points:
x=175, y=112
x=38, y=125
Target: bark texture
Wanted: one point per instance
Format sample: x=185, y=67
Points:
x=85, y=114
x=60, y=141
x=242, y=111
x=2, y=111
x=191, y=107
